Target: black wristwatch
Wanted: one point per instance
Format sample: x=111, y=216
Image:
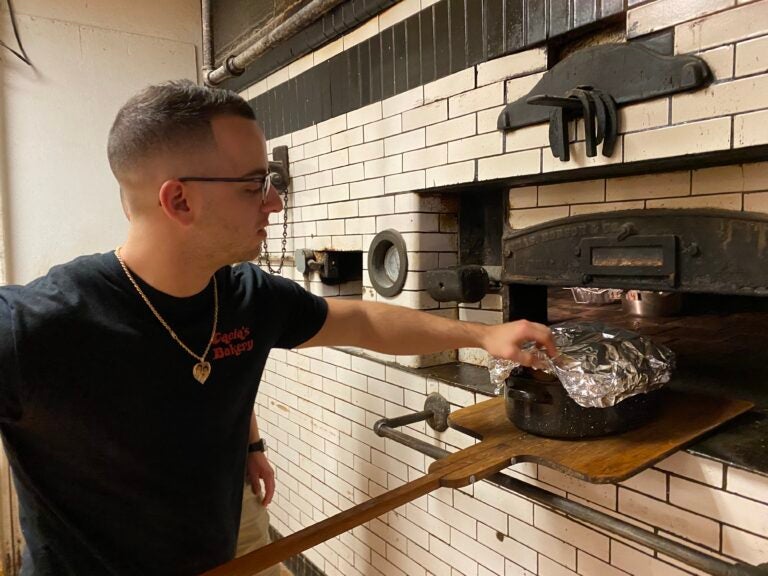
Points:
x=258, y=446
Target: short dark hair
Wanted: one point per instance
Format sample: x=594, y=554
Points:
x=172, y=115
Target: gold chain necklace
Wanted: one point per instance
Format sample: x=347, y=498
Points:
x=202, y=369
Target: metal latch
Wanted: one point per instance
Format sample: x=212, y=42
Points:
x=469, y=283
x=333, y=266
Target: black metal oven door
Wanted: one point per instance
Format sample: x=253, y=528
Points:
x=691, y=250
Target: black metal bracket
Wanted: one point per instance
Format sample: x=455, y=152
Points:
x=592, y=83
x=280, y=166
x=601, y=119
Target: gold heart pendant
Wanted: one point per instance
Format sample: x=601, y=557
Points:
x=201, y=371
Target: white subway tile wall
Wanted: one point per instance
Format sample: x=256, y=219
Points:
x=316, y=406
x=373, y=169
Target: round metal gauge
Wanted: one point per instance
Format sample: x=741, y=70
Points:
x=392, y=263
x=388, y=263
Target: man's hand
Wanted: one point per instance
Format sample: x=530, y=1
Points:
x=259, y=469
x=505, y=340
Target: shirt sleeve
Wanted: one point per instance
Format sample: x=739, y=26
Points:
x=10, y=379
x=300, y=313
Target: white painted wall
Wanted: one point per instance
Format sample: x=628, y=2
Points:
x=59, y=199
x=57, y=195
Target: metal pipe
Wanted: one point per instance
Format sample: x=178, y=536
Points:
x=207, y=38
x=690, y=556
x=403, y=420
x=685, y=554
x=263, y=40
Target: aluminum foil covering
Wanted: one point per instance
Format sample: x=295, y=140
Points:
x=499, y=370
x=598, y=365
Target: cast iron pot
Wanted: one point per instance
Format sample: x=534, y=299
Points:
x=537, y=403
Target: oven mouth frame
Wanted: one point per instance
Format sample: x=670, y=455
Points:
x=687, y=250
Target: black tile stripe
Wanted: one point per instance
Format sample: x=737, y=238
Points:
x=400, y=51
x=584, y=12
x=611, y=7
x=413, y=55
x=387, y=63
x=427, y=25
x=493, y=12
x=314, y=103
x=376, y=69
x=444, y=38
x=353, y=71
x=514, y=23
x=323, y=84
x=474, y=32
x=559, y=16
x=364, y=60
x=457, y=20
x=536, y=21
x=339, y=85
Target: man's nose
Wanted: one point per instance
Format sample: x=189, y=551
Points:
x=273, y=203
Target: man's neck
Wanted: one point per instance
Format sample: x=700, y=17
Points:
x=165, y=266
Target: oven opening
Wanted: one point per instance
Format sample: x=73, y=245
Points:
x=720, y=341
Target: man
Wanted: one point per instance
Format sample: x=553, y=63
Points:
x=127, y=379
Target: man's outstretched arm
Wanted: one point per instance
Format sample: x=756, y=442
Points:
x=398, y=330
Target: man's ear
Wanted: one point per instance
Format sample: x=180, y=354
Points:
x=174, y=201
x=124, y=204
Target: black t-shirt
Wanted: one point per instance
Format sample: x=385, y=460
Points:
x=124, y=463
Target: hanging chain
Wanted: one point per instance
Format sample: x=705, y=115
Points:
x=264, y=257
x=162, y=320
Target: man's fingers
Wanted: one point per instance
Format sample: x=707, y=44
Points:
x=269, y=489
x=539, y=334
x=526, y=359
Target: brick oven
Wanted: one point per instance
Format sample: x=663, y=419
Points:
x=393, y=126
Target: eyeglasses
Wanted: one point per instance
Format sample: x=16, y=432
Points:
x=265, y=181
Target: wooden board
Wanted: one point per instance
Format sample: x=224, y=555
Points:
x=683, y=418
x=610, y=459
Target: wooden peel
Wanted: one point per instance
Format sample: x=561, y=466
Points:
x=683, y=418
x=263, y=558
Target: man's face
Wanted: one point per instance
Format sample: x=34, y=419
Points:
x=236, y=215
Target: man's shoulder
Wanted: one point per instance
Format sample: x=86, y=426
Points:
x=63, y=283
x=249, y=275
x=251, y=284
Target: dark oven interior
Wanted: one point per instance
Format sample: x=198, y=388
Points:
x=721, y=341
x=714, y=261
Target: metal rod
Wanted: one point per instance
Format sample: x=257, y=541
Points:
x=263, y=40
x=691, y=557
x=403, y=420
x=207, y=37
